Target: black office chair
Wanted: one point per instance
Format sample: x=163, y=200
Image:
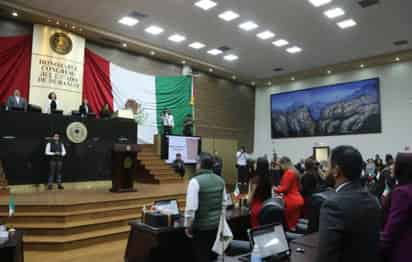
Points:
x=316, y=203
x=272, y=212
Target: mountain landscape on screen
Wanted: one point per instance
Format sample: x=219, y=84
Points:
x=349, y=108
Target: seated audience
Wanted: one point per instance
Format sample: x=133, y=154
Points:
x=204, y=203
x=350, y=219
x=396, y=239
x=105, y=112
x=289, y=187
x=84, y=108
x=260, y=189
x=384, y=179
x=53, y=104
x=16, y=102
x=179, y=165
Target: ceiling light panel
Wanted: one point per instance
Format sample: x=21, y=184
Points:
x=294, y=50
x=177, y=38
x=318, y=3
x=228, y=15
x=205, y=4
x=334, y=12
x=346, y=23
x=129, y=21
x=197, y=45
x=214, y=51
x=248, y=26
x=154, y=30
x=231, y=57
x=265, y=35
x=280, y=42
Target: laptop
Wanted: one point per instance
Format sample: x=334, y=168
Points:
x=168, y=206
x=271, y=242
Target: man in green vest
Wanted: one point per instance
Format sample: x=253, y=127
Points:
x=204, y=202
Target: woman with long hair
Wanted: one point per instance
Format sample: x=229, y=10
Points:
x=289, y=187
x=260, y=190
x=396, y=239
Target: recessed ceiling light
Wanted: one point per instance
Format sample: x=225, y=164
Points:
x=334, y=12
x=197, y=45
x=397, y=59
x=205, y=4
x=292, y=78
x=129, y=21
x=318, y=3
x=183, y=62
x=57, y=23
x=362, y=66
x=124, y=45
x=49, y=20
x=177, y=38
x=346, y=23
x=152, y=53
x=73, y=27
x=230, y=57
x=210, y=70
x=154, y=30
x=234, y=77
x=269, y=83
x=80, y=29
x=329, y=72
x=14, y=14
x=228, y=15
x=248, y=26
x=265, y=35
x=214, y=51
x=294, y=49
x=280, y=42
x=253, y=83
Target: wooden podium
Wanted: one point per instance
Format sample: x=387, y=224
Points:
x=124, y=158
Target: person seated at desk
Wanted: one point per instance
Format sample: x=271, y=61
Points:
x=396, y=239
x=350, y=220
x=179, y=166
x=16, y=102
x=53, y=104
x=260, y=189
x=289, y=187
x=55, y=150
x=105, y=112
x=84, y=108
x=204, y=203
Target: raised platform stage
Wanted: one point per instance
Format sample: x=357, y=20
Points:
x=70, y=220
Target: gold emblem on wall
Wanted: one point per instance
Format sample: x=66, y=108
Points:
x=61, y=43
x=76, y=132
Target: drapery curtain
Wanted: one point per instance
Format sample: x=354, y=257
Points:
x=15, y=59
x=97, y=88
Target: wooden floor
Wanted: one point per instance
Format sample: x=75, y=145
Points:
x=81, y=225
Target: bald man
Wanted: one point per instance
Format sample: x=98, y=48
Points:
x=16, y=102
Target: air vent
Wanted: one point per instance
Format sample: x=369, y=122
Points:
x=367, y=3
x=109, y=41
x=137, y=15
x=401, y=42
x=224, y=48
x=278, y=69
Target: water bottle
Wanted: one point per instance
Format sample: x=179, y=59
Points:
x=256, y=256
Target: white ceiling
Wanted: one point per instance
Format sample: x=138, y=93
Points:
x=323, y=42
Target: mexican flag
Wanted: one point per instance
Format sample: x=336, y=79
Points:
x=146, y=95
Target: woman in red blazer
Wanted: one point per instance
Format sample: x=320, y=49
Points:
x=289, y=187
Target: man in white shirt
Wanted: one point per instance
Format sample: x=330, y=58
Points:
x=55, y=150
x=241, y=164
x=16, y=102
x=205, y=200
x=168, y=122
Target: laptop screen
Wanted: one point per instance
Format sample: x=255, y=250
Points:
x=270, y=241
x=169, y=206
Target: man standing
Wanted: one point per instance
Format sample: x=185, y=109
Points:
x=55, y=151
x=188, y=125
x=241, y=164
x=204, y=202
x=179, y=165
x=168, y=122
x=350, y=220
x=84, y=108
x=218, y=164
x=16, y=102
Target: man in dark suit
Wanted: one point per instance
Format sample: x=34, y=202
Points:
x=84, y=108
x=349, y=220
x=16, y=102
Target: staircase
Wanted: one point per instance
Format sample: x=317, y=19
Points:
x=152, y=169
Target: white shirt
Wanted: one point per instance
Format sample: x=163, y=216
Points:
x=192, y=201
x=50, y=153
x=342, y=186
x=168, y=120
x=241, y=158
x=47, y=107
x=17, y=99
